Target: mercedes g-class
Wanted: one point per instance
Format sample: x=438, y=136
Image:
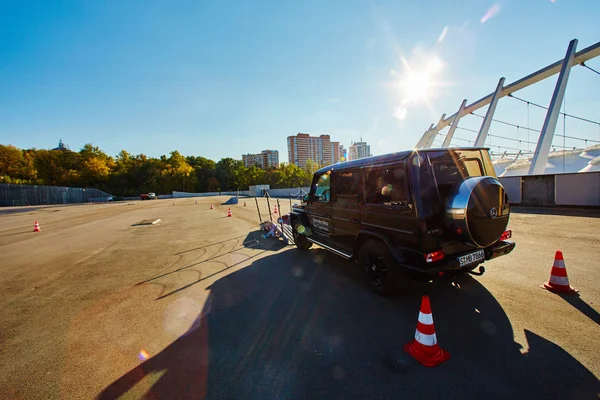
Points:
x=420, y=213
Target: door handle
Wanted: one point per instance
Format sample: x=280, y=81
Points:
x=326, y=215
x=356, y=220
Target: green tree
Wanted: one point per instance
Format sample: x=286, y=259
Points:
x=95, y=166
x=28, y=170
x=205, y=171
x=178, y=172
x=227, y=171
x=58, y=167
x=311, y=167
x=130, y=175
x=256, y=176
x=11, y=161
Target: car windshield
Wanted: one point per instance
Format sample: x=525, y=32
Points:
x=322, y=187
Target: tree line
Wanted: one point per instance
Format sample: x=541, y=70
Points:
x=129, y=175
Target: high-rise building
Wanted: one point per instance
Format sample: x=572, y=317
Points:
x=270, y=158
x=359, y=150
x=335, y=152
x=304, y=147
x=250, y=160
x=264, y=159
x=342, y=153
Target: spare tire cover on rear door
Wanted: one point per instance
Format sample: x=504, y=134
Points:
x=479, y=210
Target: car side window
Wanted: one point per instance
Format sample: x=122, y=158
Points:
x=321, y=190
x=387, y=186
x=346, y=187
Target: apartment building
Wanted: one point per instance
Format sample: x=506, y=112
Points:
x=359, y=150
x=264, y=159
x=342, y=153
x=335, y=152
x=304, y=147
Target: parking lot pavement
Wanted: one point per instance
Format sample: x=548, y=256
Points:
x=199, y=306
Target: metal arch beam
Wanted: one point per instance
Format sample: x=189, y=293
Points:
x=580, y=57
x=458, y=115
x=428, y=137
x=434, y=133
x=540, y=157
x=424, y=139
x=489, y=115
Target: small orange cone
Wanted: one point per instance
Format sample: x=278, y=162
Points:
x=244, y=204
x=36, y=227
x=424, y=346
x=275, y=211
x=229, y=214
x=559, y=281
x=211, y=207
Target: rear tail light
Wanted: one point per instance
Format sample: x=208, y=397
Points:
x=435, y=256
x=506, y=235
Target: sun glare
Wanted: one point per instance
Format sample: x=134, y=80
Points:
x=416, y=86
x=434, y=65
x=418, y=80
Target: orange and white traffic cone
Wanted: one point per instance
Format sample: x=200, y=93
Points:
x=36, y=227
x=559, y=281
x=211, y=207
x=275, y=211
x=424, y=346
x=229, y=214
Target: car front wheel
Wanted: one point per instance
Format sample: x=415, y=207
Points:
x=301, y=241
x=379, y=267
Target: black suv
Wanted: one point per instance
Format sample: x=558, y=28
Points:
x=421, y=213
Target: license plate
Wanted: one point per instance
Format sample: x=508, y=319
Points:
x=471, y=258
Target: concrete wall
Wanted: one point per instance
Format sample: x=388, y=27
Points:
x=178, y=195
x=538, y=190
x=295, y=192
x=256, y=190
x=578, y=189
x=272, y=192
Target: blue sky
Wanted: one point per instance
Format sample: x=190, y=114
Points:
x=219, y=79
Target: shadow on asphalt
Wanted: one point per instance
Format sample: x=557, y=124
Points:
x=582, y=306
x=254, y=240
x=302, y=325
x=18, y=210
x=213, y=252
x=569, y=212
x=2, y=234
x=234, y=239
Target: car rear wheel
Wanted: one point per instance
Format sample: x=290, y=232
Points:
x=379, y=267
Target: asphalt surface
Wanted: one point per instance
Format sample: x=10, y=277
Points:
x=200, y=306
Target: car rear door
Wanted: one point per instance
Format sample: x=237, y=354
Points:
x=389, y=207
x=346, y=206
